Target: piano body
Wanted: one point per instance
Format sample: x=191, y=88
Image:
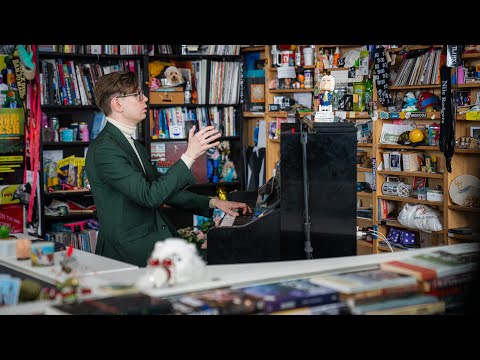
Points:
x=278, y=233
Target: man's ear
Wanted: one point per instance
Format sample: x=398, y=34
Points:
x=116, y=105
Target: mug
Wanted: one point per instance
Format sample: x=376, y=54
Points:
x=286, y=58
x=308, y=56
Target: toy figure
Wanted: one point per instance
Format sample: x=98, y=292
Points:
x=154, y=84
x=327, y=85
x=228, y=171
x=409, y=102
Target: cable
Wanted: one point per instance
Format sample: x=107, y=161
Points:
x=374, y=232
x=383, y=238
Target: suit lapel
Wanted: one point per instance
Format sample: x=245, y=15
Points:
x=146, y=162
x=122, y=141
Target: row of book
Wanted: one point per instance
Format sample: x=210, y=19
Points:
x=224, y=82
x=85, y=240
x=432, y=283
x=211, y=50
x=64, y=82
x=100, y=49
x=175, y=122
x=422, y=70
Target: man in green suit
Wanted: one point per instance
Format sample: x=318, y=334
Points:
x=126, y=188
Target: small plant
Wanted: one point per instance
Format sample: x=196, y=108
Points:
x=5, y=231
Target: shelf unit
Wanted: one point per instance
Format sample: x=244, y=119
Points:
x=236, y=142
x=75, y=113
x=465, y=161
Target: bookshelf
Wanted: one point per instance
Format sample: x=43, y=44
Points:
x=215, y=80
x=67, y=76
x=464, y=161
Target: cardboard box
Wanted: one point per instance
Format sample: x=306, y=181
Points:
x=175, y=97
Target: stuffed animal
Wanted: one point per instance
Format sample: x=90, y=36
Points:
x=173, y=261
x=173, y=76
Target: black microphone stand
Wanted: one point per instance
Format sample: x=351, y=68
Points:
x=305, y=125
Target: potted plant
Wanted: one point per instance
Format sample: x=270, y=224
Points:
x=5, y=232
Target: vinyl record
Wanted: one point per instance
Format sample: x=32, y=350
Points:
x=465, y=190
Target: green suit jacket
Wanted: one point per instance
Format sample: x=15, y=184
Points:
x=128, y=200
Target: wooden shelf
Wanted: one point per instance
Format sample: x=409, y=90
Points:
x=410, y=200
x=394, y=146
x=364, y=243
x=465, y=237
x=471, y=56
x=395, y=223
x=249, y=114
x=281, y=91
x=463, y=208
x=386, y=248
x=285, y=113
x=360, y=169
x=414, y=47
x=467, y=85
x=413, y=87
x=305, y=67
x=252, y=49
x=364, y=145
x=410, y=174
x=356, y=114
x=466, y=151
x=78, y=192
x=364, y=222
x=364, y=193
x=402, y=115
x=274, y=140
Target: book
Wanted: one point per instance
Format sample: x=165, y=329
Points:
x=368, y=286
x=392, y=305
x=12, y=131
x=291, y=294
x=216, y=302
x=131, y=304
x=375, y=280
x=340, y=308
x=437, y=264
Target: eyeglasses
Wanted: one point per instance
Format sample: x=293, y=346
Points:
x=139, y=95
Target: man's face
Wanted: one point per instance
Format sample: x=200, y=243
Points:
x=134, y=107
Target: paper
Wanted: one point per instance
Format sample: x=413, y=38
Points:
x=285, y=72
x=262, y=134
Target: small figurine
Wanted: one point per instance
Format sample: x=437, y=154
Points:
x=409, y=102
x=327, y=85
x=228, y=171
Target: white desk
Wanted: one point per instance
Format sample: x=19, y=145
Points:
x=89, y=264
x=236, y=275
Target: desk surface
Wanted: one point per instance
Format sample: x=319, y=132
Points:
x=238, y=275
x=89, y=264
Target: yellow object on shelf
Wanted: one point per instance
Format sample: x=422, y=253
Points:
x=416, y=135
x=472, y=115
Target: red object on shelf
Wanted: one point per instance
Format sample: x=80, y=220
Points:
x=78, y=223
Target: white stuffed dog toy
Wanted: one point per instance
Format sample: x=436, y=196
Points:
x=173, y=261
x=173, y=76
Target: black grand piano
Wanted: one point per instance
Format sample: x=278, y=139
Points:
x=275, y=231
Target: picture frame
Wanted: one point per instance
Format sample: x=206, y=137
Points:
x=475, y=132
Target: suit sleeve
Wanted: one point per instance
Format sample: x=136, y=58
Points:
x=187, y=200
x=115, y=168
